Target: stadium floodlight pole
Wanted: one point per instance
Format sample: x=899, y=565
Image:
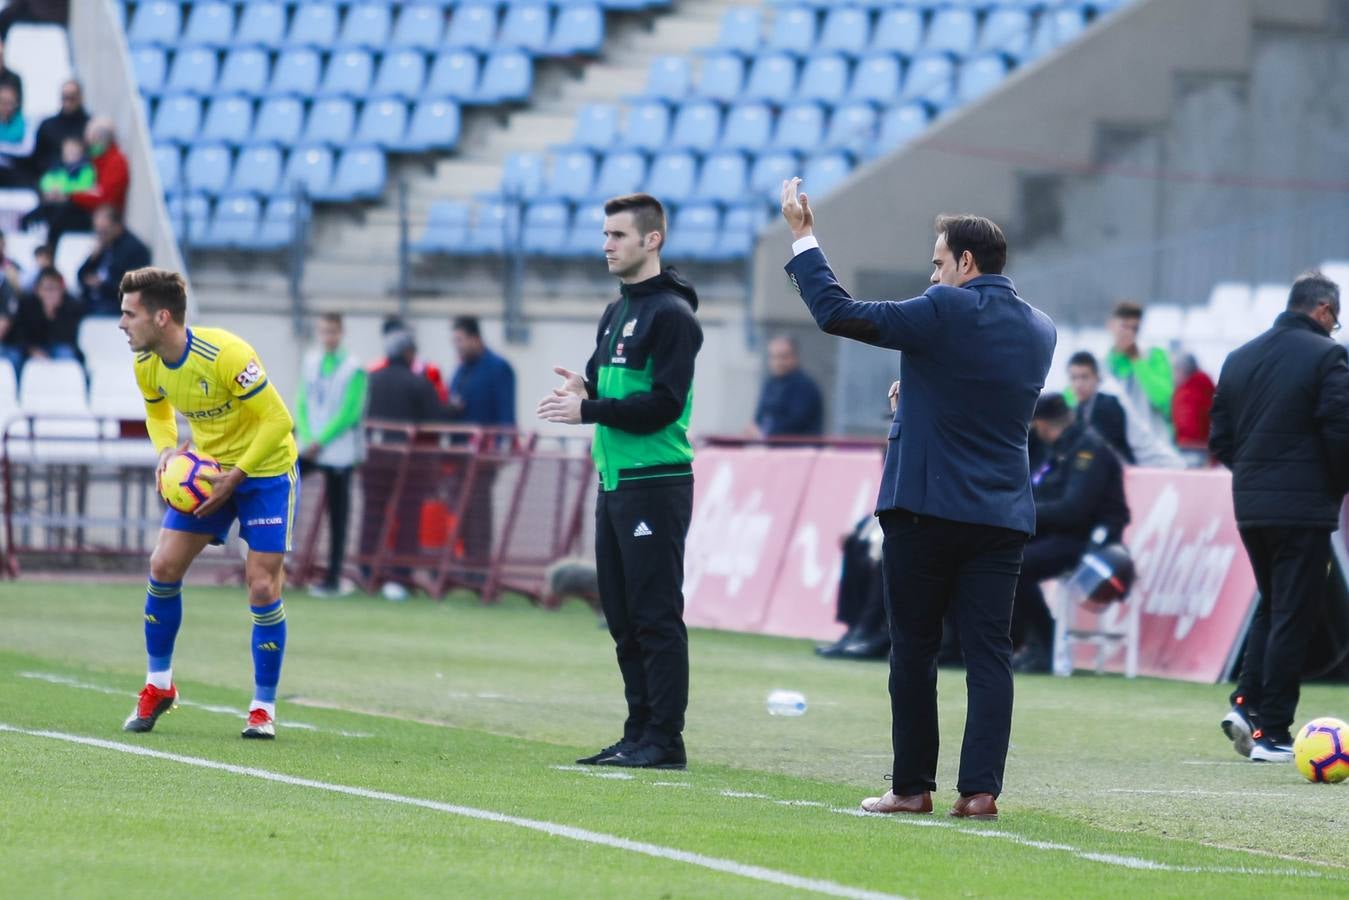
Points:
x=403, y=248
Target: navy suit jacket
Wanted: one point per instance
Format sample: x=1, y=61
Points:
x=973, y=362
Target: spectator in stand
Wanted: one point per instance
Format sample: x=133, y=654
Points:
x=421, y=367
x=1078, y=488
x=52, y=11
x=13, y=140
x=70, y=122
x=790, y=404
x=9, y=309
x=332, y=440
x=46, y=325
x=44, y=257
x=482, y=391
x=10, y=271
x=1101, y=411
x=118, y=251
x=1145, y=374
x=71, y=173
x=73, y=212
x=1190, y=407
x=8, y=77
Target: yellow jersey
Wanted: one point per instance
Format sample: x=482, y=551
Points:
x=220, y=387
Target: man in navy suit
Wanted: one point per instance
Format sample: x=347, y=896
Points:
x=955, y=500
x=1101, y=411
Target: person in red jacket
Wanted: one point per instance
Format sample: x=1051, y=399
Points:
x=1190, y=405
x=73, y=212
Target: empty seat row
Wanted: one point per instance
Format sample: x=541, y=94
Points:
x=500, y=77
x=388, y=123
x=356, y=173
x=237, y=221
x=539, y=28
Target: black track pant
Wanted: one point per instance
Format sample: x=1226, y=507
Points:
x=1291, y=567
x=639, y=553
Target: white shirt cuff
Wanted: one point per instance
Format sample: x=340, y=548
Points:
x=806, y=243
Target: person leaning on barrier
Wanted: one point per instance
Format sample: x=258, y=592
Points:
x=1079, y=488
x=790, y=403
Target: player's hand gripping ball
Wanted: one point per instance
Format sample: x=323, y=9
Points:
x=182, y=485
x=1321, y=750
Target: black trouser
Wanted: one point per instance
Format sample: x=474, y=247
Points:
x=854, y=582
x=1046, y=556
x=930, y=564
x=60, y=218
x=639, y=555
x=337, y=494
x=1291, y=567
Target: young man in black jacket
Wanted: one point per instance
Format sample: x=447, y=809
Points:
x=638, y=392
x=1281, y=424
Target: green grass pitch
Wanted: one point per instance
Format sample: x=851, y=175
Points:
x=426, y=750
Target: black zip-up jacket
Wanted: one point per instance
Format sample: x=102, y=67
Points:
x=1281, y=424
x=395, y=393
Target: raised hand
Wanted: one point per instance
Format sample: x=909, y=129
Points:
x=796, y=209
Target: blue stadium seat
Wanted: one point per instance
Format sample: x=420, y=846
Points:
x=951, y=31
x=847, y=29
x=522, y=175
x=169, y=165
x=280, y=120
x=769, y=171
x=262, y=25
x=206, y=170
x=310, y=168
x=189, y=214
x=723, y=177
x=360, y=175
x=800, y=128
x=794, y=30
x=453, y=74
x=930, y=78
x=434, y=126
x=824, y=173
x=156, y=22
x=697, y=126
x=192, y=72
x=979, y=75
x=446, y=228
x=647, y=126
x=401, y=74
x=507, y=76
x=586, y=237
x=257, y=170
x=771, y=78
x=280, y=221
x=488, y=233
x=382, y=123
x=545, y=228
x=177, y=119
x=234, y=223
x=898, y=30
x=526, y=26
x=749, y=126
x=739, y=230
x=228, y=119
x=313, y=25
x=330, y=121
x=876, y=79
x=1006, y=31
x=901, y=124
x=824, y=78
x=209, y=24
x=149, y=67
x=741, y=30
x=366, y=25
x=571, y=175
x=852, y=128
x=596, y=126
x=621, y=172
x=694, y=232
x=1056, y=28
x=722, y=77
x=672, y=176
x=418, y=28
x=349, y=74
x=297, y=72
x=244, y=72
x=668, y=78
x=473, y=25
x=577, y=31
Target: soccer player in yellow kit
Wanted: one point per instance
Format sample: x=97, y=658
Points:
x=216, y=382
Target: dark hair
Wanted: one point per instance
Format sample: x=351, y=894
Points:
x=392, y=323
x=1084, y=358
x=647, y=213
x=331, y=318
x=982, y=237
x=44, y=248
x=50, y=272
x=1127, y=309
x=1310, y=290
x=159, y=289
x=1051, y=407
x=468, y=325
x=112, y=212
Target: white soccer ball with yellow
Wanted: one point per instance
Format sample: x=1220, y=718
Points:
x=1321, y=750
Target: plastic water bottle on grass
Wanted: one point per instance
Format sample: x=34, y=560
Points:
x=786, y=703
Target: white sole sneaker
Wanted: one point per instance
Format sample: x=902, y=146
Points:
x=1238, y=731
x=1276, y=754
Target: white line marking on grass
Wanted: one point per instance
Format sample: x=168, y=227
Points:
x=746, y=795
x=715, y=864
x=678, y=784
x=596, y=773
x=67, y=681
x=1194, y=792
x=1214, y=762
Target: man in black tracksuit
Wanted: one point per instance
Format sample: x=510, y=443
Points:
x=638, y=392
x=1281, y=424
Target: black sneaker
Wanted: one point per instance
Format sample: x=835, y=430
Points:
x=1240, y=727
x=649, y=756
x=612, y=749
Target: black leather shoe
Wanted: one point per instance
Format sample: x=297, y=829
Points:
x=620, y=746
x=648, y=756
x=867, y=648
x=836, y=648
